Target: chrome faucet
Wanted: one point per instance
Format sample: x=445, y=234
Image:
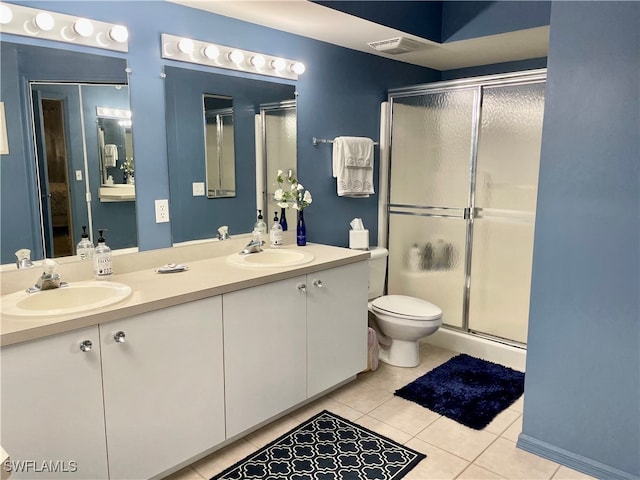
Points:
x=223, y=233
x=254, y=246
x=49, y=279
x=24, y=258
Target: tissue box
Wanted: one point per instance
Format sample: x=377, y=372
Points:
x=359, y=239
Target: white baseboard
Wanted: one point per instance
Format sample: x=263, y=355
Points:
x=479, y=347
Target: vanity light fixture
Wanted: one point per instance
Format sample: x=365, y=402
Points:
x=258, y=61
x=6, y=15
x=236, y=56
x=83, y=27
x=108, y=112
x=35, y=22
x=213, y=55
x=185, y=46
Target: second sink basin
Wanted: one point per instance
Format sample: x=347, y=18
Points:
x=73, y=298
x=272, y=257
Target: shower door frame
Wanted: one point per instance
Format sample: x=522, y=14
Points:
x=470, y=212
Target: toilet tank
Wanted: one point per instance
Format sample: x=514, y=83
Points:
x=377, y=271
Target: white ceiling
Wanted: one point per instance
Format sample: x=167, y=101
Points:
x=311, y=20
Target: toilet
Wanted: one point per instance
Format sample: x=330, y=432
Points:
x=400, y=321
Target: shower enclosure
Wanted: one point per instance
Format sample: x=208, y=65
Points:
x=464, y=159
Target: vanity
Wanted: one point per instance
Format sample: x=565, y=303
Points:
x=188, y=363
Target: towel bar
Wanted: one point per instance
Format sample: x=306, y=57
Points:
x=315, y=141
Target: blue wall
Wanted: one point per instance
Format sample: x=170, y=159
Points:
x=582, y=391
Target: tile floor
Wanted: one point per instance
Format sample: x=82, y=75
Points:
x=453, y=450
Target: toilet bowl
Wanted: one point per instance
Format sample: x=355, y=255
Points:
x=400, y=322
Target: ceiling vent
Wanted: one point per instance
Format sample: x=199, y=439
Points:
x=395, y=46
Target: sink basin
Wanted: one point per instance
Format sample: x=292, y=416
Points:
x=271, y=257
x=73, y=298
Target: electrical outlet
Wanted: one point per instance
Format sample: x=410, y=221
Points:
x=162, y=211
x=198, y=189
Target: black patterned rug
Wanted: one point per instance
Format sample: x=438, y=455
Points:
x=326, y=447
x=466, y=389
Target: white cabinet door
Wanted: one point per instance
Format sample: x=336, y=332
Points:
x=337, y=325
x=52, y=415
x=265, y=333
x=163, y=387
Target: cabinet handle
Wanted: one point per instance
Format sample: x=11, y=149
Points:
x=302, y=287
x=119, y=337
x=318, y=283
x=86, y=345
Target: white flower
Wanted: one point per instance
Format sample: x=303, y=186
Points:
x=307, y=197
x=279, y=173
x=296, y=206
x=283, y=204
x=300, y=187
x=277, y=196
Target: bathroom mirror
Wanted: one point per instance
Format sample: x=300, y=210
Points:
x=75, y=175
x=219, y=146
x=185, y=90
x=75, y=84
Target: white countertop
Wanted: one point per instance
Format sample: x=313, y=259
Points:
x=205, y=277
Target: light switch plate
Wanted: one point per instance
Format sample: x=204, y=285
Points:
x=79, y=175
x=198, y=189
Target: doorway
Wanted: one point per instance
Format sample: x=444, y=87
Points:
x=54, y=180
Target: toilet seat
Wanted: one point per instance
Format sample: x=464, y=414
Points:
x=403, y=306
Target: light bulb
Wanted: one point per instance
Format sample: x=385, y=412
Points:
x=6, y=15
x=83, y=27
x=298, y=68
x=44, y=21
x=211, y=52
x=278, y=64
x=258, y=61
x=185, y=46
x=236, y=56
x=119, y=33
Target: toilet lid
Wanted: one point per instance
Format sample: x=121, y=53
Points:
x=408, y=307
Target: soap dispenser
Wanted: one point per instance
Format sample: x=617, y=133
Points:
x=102, y=259
x=260, y=228
x=275, y=234
x=85, y=248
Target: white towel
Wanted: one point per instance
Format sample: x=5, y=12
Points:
x=353, y=166
x=110, y=155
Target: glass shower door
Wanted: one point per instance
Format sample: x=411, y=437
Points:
x=507, y=167
x=432, y=144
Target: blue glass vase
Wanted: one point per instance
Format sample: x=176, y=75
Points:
x=283, y=220
x=301, y=230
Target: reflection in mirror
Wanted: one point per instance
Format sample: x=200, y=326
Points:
x=219, y=146
x=199, y=218
x=115, y=150
x=278, y=123
x=71, y=168
x=76, y=83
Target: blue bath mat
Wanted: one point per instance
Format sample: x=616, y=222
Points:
x=326, y=447
x=466, y=389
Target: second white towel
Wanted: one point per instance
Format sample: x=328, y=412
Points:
x=353, y=166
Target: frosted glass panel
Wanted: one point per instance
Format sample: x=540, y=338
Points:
x=426, y=260
x=501, y=277
x=280, y=141
x=431, y=149
x=509, y=147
